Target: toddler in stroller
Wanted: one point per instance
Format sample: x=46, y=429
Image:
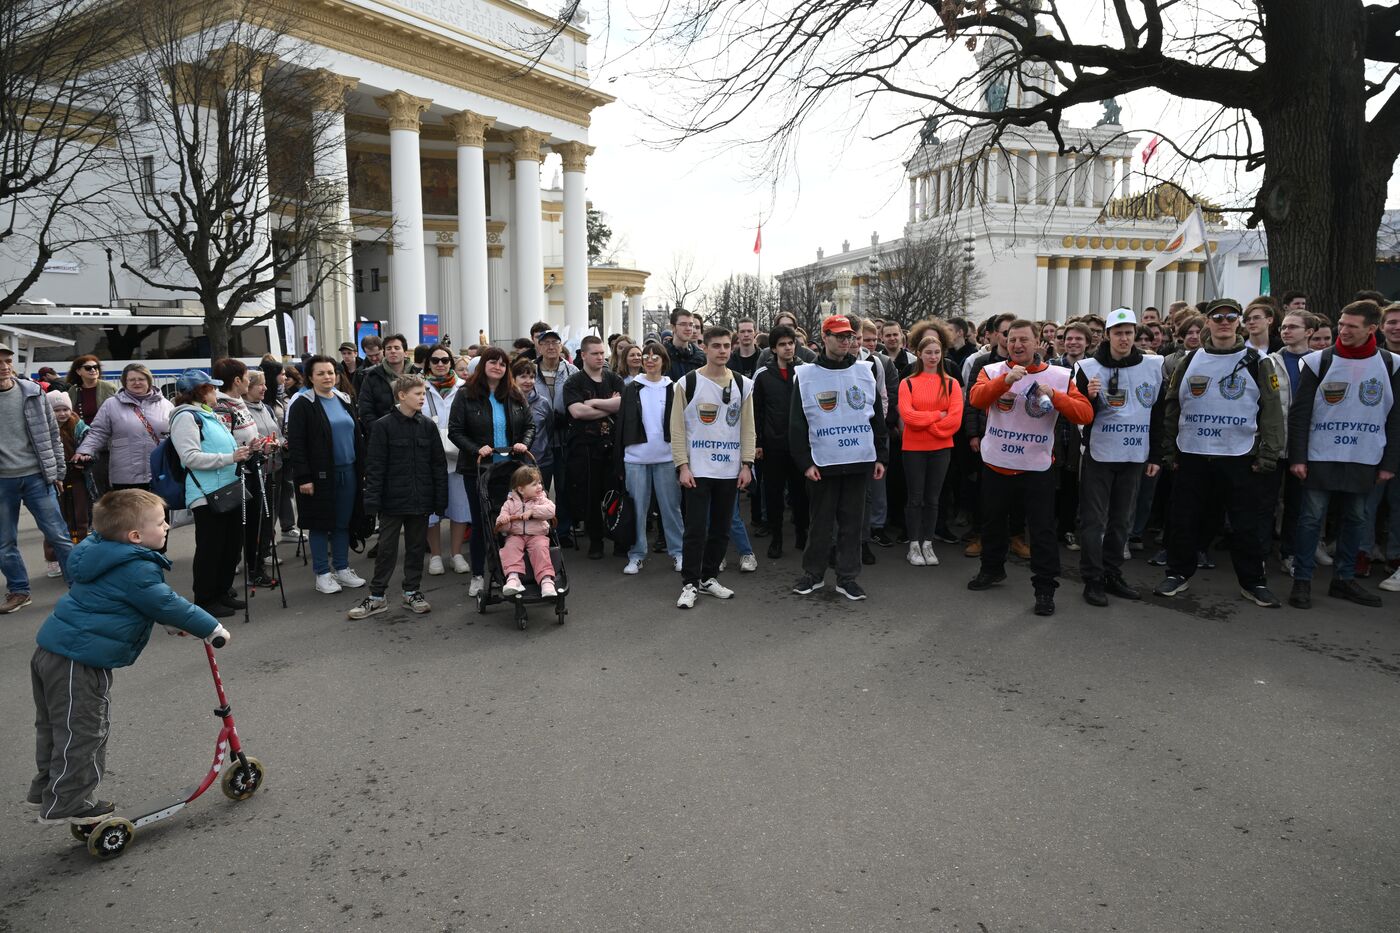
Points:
x=524, y=520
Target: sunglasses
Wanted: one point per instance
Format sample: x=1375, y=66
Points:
x=1223, y=317
x=440, y=359
x=91, y=366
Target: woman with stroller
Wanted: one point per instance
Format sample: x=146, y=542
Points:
x=646, y=463
x=443, y=386
x=489, y=413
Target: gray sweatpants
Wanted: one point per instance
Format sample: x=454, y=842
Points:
x=72, y=716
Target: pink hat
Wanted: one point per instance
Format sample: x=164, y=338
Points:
x=59, y=400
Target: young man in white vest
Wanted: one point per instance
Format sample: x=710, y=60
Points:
x=1344, y=438
x=712, y=445
x=1023, y=397
x=1125, y=388
x=1222, y=430
x=838, y=437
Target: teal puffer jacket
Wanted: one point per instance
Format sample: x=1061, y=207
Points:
x=118, y=593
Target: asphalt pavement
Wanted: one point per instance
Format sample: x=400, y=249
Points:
x=928, y=760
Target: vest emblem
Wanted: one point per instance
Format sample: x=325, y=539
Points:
x=826, y=401
x=1232, y=386
x=1334, y=392
x=855, y=397
x=731, y=414
x=1006, y=402
x=707, y=412
x=1116, y=399
x=1146, y=394
x=1198, y=385
x=1036, y=404
x=1370, y=392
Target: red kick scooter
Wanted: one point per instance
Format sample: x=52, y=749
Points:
x=241, y=780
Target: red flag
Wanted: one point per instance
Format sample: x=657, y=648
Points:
x=1149, y=150
x=758, y=240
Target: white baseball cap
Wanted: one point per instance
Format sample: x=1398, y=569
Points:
x=1120, y=316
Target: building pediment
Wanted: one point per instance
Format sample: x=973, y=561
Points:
x=1162, y=202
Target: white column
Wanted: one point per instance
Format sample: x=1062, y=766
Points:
x=334, y=307
x=635, y=326
x=495, y=282
x=528, y=263
x=1050, y=184
x=993, y=177
x=575, y=156
x=913, y=199
x=1084, y=271
x=1060, y=265
x=472, y=316
x=1193, y=282
x=408, y=275
x=450, y=315
x=1128, y=297
x=612, y=314
x=1106, y=304
x=1032, y=176
x=1042, y=286
x=301, y=317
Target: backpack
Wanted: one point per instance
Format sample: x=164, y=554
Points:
x=168, y=473
x=619, y=517
x=690, y=381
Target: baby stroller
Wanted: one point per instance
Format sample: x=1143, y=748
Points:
x=493, y=485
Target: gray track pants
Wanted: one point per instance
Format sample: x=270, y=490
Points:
x=72, y=716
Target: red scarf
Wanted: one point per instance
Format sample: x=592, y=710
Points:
x=1367, y=349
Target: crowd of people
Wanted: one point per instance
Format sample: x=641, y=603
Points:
x=1266, y=427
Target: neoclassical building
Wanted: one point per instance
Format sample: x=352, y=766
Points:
x=442, y=129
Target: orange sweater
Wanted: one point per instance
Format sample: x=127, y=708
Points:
x=931, y=409
x=1072, y=405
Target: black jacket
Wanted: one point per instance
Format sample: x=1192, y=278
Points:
x=405, y=467
x=311, y=458
x=376, y=394
x=800, y=441
x=683, y=360
x=630, y=429
x=772, y=403
x=471, y=426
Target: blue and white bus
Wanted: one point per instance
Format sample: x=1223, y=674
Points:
x=167, y=343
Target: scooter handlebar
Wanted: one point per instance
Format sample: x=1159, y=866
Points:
x=218, y=641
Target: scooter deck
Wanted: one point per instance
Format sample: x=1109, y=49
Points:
x=158, y=809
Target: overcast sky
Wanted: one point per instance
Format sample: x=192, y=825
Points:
x=704, y=198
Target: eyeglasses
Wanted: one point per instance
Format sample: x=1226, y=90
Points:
x=1225, y=317
x=440, y=359
x=91, y=367
x=842, y=338
x=1292, y=327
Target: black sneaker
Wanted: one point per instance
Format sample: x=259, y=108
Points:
x=93, y=814
x=946, y=536
x=1045, y=604
x=217, y=610
x=867, y=556
x=1260, y=596
x=881, y=537
x=985, y=580
x=1204, y=561
x=1135, y=542
x=761, y=530
x=901, y=537
x=850, y=589
x=1171, y=586
x=1159, y=559
x=1117, y=586
x=262, y=581
x=806, y=584
x=1351, y=590
x=1094, y=593
x=1301, y=595
x=233, y=602
x=595, y=552
x=775, y=549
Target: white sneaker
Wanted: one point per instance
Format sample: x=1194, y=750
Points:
x=715, y=588
x=53, y=570
x=350, y=578
x=460, y=565
x=687, y=597
x=1287, y=565
x=547, y=589
x=634, y=566
x=435, y=567
x=916, y=555
x=327, y=583
x=1127, y=553
x=1391, y=584
x=930, y=558
x=723, y=562
x=1321, y=556
x=513, y=586
x=678, y=562
x=748, y=563
x=477, y=585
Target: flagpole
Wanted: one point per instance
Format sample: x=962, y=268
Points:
x=1212, y=275
x=760, y=248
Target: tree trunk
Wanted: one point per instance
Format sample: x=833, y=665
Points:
x=1322, y=197
x=217, y=327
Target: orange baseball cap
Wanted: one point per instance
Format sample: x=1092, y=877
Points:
x=836, y=324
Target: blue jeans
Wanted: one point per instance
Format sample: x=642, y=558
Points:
x=40, y=498
x=1350, y=528
x=644, y=480
x=1390, y=492
x=738, y=533
x=338, y=541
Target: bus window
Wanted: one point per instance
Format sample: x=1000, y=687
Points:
x=142, y=341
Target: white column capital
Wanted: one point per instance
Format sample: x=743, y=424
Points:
x=575, y=155
x=469, y=129
x=527, y=143
x=328, y=89
x=405, y=110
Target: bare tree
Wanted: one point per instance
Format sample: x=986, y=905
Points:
x=1302, y=89
x=228, y=214
x=56, y=128
x=927, y=278
x=681, y=280
x=801, y=292
x=742, y=296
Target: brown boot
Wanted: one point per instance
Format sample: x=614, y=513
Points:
x=974, y=547
x=1020, y=548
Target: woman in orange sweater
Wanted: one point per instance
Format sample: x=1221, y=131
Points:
x=930, y=406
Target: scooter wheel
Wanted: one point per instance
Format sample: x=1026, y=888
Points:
x=242, y=781
x=81, y=831
x=110, y=838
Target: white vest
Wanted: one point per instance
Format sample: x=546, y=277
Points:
x=1219, y=406
x=1350, y=409
x=712, y=432
x=1119, y=432
x=1020, y=432
x=839, y=404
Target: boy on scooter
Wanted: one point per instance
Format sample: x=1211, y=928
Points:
x=102, y=622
